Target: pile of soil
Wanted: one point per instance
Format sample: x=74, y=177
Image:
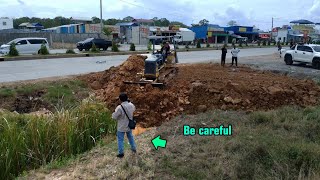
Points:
x=200, y=87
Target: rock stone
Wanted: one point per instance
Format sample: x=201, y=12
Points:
x=202, y=108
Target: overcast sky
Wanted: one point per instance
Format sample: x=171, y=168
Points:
x=245, y=12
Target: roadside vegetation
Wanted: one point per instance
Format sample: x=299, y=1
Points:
x=13, y=50
x=53, y=96
x=70, y=51
x=279, y=144
x=94, y=49
x=43, y=50
x=29, y=141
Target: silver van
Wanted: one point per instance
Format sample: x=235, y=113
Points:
x=25, y=45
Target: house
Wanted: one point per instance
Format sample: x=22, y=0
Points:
x=67, y=29
x=6, y=23
x=31, y=26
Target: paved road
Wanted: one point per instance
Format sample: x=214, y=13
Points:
x=34, y=69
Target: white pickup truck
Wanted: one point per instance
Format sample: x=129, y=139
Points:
x=304, y=53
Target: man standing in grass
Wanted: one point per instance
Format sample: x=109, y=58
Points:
x=234, y=52
x=126, y=108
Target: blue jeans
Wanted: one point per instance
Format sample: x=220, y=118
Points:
x=120, y=136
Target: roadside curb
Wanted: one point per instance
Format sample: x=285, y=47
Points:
x=109, y=54
x=70, y=56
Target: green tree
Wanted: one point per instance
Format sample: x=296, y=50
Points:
x=232, y=23
x=132, y=47
x=94, y=48
x=95, y=20
x=13, y=50
x=128, y=19
x=114, y=47
x=203, y=22
x=107, y=31
x=112, y=21
x=198, y=44
x=43, y=50
x=149, y=46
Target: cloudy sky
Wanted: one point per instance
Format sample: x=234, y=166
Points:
x=245, y=12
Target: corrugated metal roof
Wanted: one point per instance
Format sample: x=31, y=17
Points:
x=126, y=24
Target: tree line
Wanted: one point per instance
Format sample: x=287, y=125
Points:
x=59, y=20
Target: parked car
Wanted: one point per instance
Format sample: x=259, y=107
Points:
x=304, y=53
x=87, y=44
x=25, y=45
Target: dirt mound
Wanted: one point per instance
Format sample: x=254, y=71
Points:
x=200, y=87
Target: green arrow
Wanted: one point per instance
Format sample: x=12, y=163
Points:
x=157, y=142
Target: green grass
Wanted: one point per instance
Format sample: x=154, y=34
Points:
x=6, y=92
x=27, y=141
x=278, y=144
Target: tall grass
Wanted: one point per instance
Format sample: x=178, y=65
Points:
x=28, y=141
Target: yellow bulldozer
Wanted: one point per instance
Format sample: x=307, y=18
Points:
x=158, y=66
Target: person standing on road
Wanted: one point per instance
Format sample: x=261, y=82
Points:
x=126, y=107
x=223, y=55
x=234, y=52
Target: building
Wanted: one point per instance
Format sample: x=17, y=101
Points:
x=6, y=23
x=243, y=31
x=67, y=29
x=214, y=33
x=31, y=26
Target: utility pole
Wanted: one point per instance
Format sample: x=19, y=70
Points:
x=271, y=29
x=101, y=22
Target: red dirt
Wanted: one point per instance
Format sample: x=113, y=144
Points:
x=200, y=87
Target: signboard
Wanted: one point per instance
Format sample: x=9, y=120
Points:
x=264, y=36
x=158, y=31
x=242, y=29
x=215, y=29
x=209, y=34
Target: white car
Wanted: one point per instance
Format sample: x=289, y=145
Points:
x=304, y=53
x=25, y=45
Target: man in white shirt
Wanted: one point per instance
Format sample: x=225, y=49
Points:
x=234, y=52
x=122, y=124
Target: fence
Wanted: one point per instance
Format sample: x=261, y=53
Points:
x=51, y=37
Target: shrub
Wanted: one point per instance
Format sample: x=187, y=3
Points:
x=274, y=43
x=259, y=43
x=70, y=51
x=13, y=50
x=94, y=49
x=282, y=43
x=149, y=46
x=29, y=141
x=240, y=43
x=114, y=47
x=43, y=50
x=264, y=43
x=187, y=46
x=287, y=43
x=269, y=43
x=208, y=45
x=198, y=44
x=132, y=47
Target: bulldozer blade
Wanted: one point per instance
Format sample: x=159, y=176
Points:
x=143, y=83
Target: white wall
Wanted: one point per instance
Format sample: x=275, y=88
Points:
x=283, y=34
x=6, y=23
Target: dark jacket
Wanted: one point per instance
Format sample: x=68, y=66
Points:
x=166, y=49
x=224, y=51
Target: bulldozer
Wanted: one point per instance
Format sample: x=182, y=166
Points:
x=157, y=68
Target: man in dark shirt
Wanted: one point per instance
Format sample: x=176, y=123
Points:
x=165, y=50
x=223, y=55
